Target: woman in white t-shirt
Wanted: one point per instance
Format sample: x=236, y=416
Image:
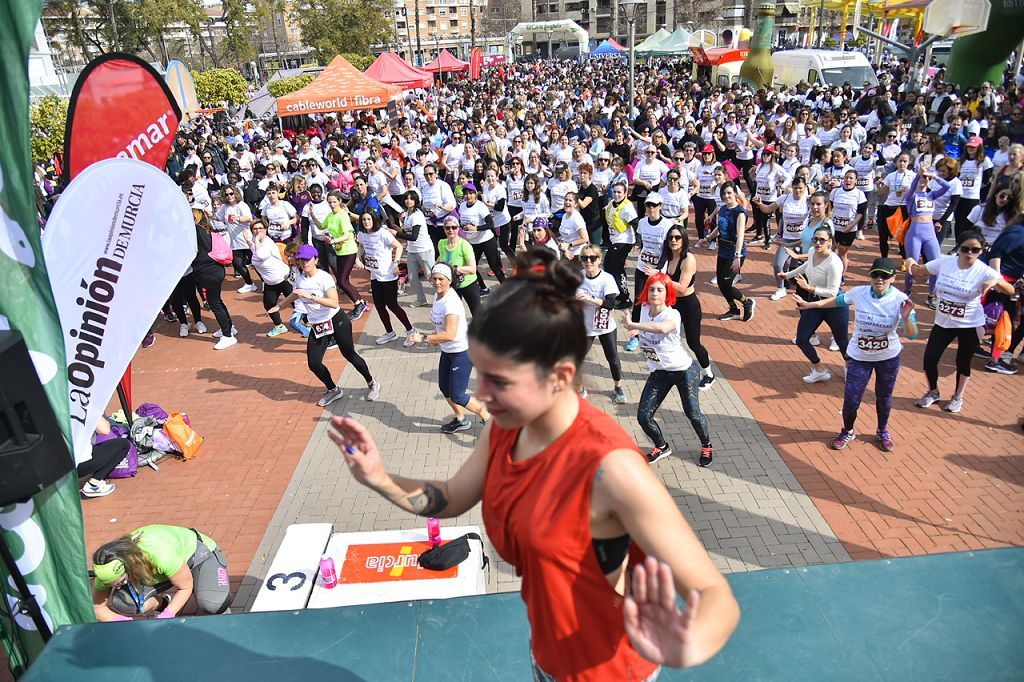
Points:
x=236, y=216
x=266, y=258
x=599, y=293
x=849, y=205
x=282, y=220
x=974, y=166
x=992, y=217
x=419, y=249
x=478, y=225
x=793, y=210
x=670, y=365
x=572, y=230
x=451, y=335
x=960, y=281
x=380, y=254
x=318, y=292
x=874, y=347
x=892, y=189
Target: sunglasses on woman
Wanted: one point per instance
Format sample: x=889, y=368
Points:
x=820, y=240
x=971, y=249
x=586, y=259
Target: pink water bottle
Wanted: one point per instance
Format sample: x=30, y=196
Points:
x=327, y=572
x=434, y=531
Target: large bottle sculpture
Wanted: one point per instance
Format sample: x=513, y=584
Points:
x=757, y=69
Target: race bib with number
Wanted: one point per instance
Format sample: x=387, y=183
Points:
x=650, y=259
x=517, y=195
x=704, y=189
x=967, y=182
x=322, y=329
x=873, y=344
x=370, y=262
x=602, y=319
x=952, y=308
x=863, y=182
x=650, y=354
x=840, y=222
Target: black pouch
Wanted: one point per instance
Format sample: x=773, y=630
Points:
x=451, y=553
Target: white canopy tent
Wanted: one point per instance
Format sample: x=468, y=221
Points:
x=562, y=28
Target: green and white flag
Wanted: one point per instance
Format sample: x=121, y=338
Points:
x=45, y=534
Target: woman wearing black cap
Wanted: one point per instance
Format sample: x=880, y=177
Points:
x=874, y=347
x=477, y=223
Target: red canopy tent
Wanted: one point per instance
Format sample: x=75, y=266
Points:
x=390, y=68
x=616, y=45
x=446, y=62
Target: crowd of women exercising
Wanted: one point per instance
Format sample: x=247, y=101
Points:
x=493, y=167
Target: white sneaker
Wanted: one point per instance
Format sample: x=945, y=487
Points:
x=409, y=343
x=329, y=397
x=373, y=390
x=247, y=289
x=814, y=340
x=714, y=280
x=739, y=278
x=200, y=328
x=387, y=338
x=860, y=235
x=815, y=376
x=833, y=346
x=713, y=246
x=98, y=489
x=234, y=332
x=183, y=331
x=779, y=293
x=225, y=342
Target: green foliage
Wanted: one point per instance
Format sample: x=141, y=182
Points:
x=48, y=118
x=333, y=27
x=221, y=85
x=360, y=61
x=283, y=86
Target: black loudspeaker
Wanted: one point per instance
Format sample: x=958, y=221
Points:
x=33, y=454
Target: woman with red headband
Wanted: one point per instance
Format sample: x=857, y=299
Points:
x=670, y=365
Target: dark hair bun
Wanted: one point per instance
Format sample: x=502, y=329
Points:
x=553, y=278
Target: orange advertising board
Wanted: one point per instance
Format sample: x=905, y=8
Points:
x=388, y=562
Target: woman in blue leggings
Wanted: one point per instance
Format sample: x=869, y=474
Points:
x=454, y=368
x=874, y=347
x=921, y=235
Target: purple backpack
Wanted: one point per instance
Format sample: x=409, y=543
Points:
x=152, y=410
x=993, y=311
x=129, y=466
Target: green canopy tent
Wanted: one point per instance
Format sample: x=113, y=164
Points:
x=651, y=41
x=677, y=43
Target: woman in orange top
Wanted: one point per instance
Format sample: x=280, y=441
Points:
x=566, y=495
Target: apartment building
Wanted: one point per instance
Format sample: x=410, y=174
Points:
x=454, y=25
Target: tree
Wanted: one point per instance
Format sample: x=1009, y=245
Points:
x=332, y=27
x=284, y=86
x=221, y=85
x=48, y=118
x=360, y=61
x=240, y=29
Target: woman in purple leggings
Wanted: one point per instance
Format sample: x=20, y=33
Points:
x=874, y=346
x=921, y=235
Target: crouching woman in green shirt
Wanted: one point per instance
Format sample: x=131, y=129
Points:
x=132, y=570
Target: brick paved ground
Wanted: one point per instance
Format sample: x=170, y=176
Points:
x=255, y=406
x=954, y=481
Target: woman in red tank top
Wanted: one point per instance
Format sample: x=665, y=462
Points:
x=568, y=498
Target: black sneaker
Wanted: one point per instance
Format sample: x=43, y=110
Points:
x=707, y=453
x=456, y=425
x=1001, y=366
x=705, y=382
x=748, y=309
x=658, y=454
x=484, y=293
x=982, y=353
x=730, y=315
x=357, y=311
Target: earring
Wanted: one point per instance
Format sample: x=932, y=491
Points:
x=558, y=389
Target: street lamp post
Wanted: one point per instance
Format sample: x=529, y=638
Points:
x=629, y=10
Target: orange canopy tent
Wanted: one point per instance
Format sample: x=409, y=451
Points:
x=445, y=63
x=339, y=87
x=390, y=68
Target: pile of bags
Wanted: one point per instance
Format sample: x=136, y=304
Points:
x=153, y=434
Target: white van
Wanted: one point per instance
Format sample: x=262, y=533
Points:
x=827, y=67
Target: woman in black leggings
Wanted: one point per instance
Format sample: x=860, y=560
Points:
x=599, y=292
x=185, y=293
x=209, y=275
x=731, y=233
x=681, y=267
x=317, y=294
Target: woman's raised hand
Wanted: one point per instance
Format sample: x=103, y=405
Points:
x=659, y=631
x=360, y=451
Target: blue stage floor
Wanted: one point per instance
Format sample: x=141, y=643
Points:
x=939, y=617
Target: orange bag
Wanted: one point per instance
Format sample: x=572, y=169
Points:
x=898, y=225
x=178, y=429
x=1001, y=334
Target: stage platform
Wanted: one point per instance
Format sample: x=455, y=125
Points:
x=946, y=616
